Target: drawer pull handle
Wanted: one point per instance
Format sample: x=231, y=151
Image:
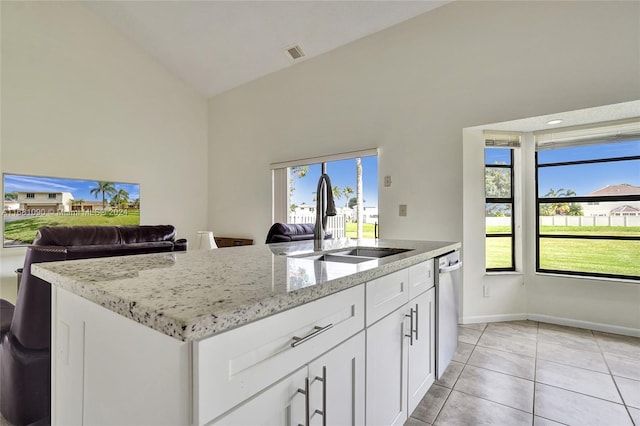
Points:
x=417, y=322
x=411, y=330
x=305, y=392
x=323, y=380
x=316, y=330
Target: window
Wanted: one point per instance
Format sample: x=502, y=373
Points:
x=588, y=202
x=52, y=196
x=499, y=202
x=31, y=195
x=295, y=186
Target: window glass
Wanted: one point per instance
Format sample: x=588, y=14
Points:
x=598, y=234
x=499, y=215
x=303, y=182
x=587, y=178
x=590, y=152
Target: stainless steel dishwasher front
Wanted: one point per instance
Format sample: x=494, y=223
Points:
x=447, y=308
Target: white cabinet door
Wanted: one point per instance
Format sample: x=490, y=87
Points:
x=422, y=351
x=387, y=370
x=281, y=404
x=337, y=385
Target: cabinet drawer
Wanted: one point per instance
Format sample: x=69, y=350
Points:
x=233, y=366
x=420, y=278
x=386, y=294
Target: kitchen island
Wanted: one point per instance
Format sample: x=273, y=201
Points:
x=202, y=336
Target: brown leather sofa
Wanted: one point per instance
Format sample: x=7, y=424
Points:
x=25, y=346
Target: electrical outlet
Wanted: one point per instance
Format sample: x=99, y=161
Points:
x=485, y=290
x=403, y=210
x=387, y=181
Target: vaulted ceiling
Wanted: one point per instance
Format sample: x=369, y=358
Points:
x=218, y=45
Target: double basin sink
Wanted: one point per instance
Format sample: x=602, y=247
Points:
x=355, y=255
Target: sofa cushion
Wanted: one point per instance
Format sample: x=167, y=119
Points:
x=77, y=235
x=147, y=233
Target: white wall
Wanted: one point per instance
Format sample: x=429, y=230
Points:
x=80, y=101
x=410, y=90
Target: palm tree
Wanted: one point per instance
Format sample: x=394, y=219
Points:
x=120, y=198
x=104, y=188
x=347, y=191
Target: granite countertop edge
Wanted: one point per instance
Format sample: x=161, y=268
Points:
x=212, y=323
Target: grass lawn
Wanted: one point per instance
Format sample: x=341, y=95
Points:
x=620, y=257
x=25, y=229
x=367, y=230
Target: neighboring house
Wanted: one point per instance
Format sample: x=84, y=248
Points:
x=49, y=202
x=10, y=205
x=86, y=206
x=621, y=208
x=370, y=214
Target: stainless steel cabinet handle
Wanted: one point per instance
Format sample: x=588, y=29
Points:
x=316, y=330
x=410, y=335
x=305, y=392
x=323, y=379
x=417, y=322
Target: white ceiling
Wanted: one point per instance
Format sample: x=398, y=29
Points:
x=218, y=45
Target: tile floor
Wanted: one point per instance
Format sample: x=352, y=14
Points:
x=530, y=373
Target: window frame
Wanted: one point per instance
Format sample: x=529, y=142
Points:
x=503, y=200
x=579, y=199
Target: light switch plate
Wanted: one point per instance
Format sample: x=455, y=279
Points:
x=387, y=181
x=403, y=210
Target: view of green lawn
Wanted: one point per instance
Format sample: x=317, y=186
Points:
x=368, y=230
x=24, y=230
x=621, y=257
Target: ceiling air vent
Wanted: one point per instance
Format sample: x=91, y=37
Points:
x=295, y=52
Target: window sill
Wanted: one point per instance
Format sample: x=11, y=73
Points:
x=498, y=273
x=589, y=278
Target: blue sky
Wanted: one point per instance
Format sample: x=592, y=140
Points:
x=583, y=178
x=79, y=188
x=342, y=173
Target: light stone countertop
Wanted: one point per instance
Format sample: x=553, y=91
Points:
x=195, y=294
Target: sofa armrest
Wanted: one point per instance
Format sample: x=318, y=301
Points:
x=180, y=245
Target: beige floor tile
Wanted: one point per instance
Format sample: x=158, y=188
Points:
x=514, y=329
x=431, y=404
x=502, y=388
x=541, y=421
x=568, y=338
x=619, y=345
x=503, y=362
x=572, y=408
x=635, y=415
x=463, y=352
x=576, y=357
x=630, y=391
x=517, y=345
x=623, y=366
x=565, y=329
x=468, y=335
x=463, y=409
x=450, y=375
x=576, y=379
x=477, y=326
x=415, y=422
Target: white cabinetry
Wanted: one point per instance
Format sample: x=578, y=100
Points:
x=400, y=346
x=328, y=391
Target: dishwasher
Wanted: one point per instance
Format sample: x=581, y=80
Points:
x=447, y=307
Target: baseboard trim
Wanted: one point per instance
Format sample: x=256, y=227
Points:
x=493, y=318
x=606, y=328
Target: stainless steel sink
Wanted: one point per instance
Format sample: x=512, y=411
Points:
x=377, y=252
x=355, y=255
x=338, y=258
